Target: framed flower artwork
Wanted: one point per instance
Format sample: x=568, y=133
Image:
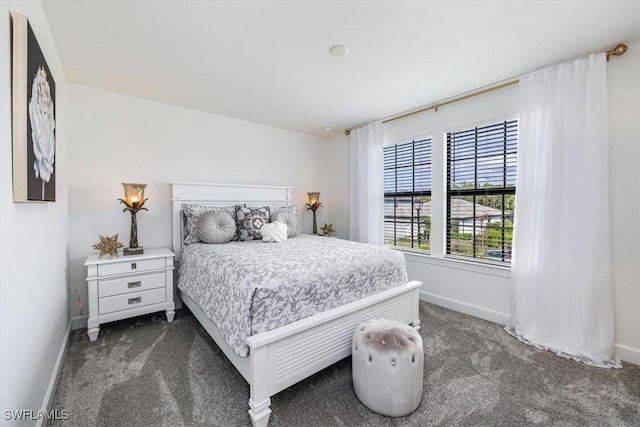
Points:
x=34, y=119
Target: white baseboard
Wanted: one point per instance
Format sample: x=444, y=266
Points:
x=55, y=375
x=622, y=352
x=78, y=322
x=627, y=354
x=466, y=308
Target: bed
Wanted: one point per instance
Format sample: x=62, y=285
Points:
x=275, y=351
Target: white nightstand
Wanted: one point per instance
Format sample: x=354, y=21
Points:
x=128, y=286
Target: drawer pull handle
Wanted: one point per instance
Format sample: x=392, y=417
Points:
x=135, y=300
x=134, y=265
x=134, y=284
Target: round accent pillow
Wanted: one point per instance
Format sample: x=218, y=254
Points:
x=289, y=217
x=216, y=227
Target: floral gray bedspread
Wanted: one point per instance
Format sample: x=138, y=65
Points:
x=250, y=287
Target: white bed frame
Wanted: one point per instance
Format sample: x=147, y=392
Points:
x=284, y=356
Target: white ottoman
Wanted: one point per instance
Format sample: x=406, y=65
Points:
x=387, y=361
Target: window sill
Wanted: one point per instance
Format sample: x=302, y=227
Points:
x=456, y=264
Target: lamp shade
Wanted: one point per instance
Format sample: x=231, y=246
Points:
x=133, y=193
x=314, y=198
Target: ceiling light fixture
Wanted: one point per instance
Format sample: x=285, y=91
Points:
x=338, y=50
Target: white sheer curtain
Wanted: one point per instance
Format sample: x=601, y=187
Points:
x=562, y=266
x=366, y=208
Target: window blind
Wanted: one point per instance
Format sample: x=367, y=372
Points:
x=481, y=188
x=407, y=194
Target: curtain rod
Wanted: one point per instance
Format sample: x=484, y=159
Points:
x=617, y=51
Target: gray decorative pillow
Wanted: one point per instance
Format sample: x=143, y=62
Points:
x=288, y=215
x=216, y=227
x=250, y=221
x=192, y=212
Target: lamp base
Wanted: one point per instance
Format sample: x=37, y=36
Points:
x=133, y=251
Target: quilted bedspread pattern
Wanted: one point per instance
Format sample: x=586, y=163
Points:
x=250, y=287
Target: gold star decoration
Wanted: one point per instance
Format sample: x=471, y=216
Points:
x=108, y=245
x=327, y=230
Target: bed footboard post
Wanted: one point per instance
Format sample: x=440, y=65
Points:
x=260, y=401
x=416, y=308
x=260, y=413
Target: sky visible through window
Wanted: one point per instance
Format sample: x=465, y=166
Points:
x=495, y=156
x=496, y=162
x=407, y=169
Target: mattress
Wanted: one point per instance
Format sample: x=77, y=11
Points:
x=250, y=287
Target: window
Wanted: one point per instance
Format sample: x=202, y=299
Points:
x=481, y=191
x=407, y=194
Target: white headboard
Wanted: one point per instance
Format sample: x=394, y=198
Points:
x=221, y=195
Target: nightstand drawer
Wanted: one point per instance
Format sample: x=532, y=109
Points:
x=107, y=288
x=130, y=266
x=132, y=300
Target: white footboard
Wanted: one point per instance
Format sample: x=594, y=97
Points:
x=287, y=355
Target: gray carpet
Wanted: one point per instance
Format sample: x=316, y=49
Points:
x=147, y=372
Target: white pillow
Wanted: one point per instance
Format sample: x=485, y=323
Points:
x=274, y=232
x=289, y=216
x=216, y=227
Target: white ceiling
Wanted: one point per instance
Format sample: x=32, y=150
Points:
x=268, y=61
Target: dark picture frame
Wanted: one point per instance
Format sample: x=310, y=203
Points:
x=33, y=117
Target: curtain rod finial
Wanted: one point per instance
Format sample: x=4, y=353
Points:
x=617, y=51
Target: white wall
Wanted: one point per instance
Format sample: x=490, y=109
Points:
x=624, y=128
x=486, y=291
x=33, y=249
x=117, y=138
